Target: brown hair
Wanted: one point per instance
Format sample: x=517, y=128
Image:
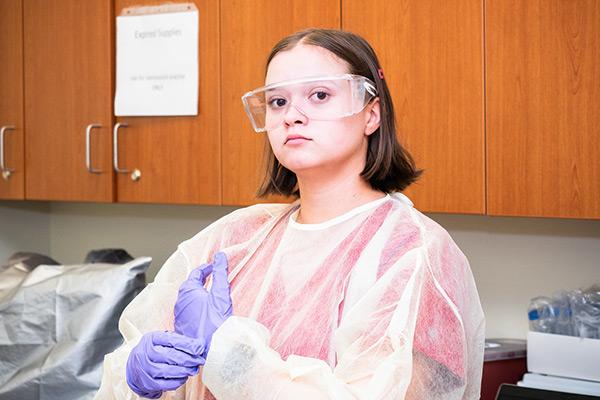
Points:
x=389, y=167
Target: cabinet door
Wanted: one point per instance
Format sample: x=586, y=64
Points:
x=249, y=29
x=68, y=81
x=178, y=157
x=11, y=98
x=432, y=57
x=543, y=86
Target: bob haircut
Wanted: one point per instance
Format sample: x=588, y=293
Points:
x=389, y=167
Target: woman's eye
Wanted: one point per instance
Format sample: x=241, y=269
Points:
x=277, y=102
x=320, y=95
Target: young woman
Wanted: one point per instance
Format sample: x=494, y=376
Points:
x=348, y=293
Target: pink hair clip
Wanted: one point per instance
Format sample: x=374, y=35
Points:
x=380, y=72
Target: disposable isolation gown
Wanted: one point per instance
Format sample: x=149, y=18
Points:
x=378, y=303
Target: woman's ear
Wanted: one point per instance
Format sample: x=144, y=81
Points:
x=373, y=116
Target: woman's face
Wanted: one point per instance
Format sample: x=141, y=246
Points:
x=303, y=145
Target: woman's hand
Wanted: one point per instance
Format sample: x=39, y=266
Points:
x=162, y=361
x=198, y=312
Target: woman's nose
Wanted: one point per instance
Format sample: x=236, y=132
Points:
x=294, y=115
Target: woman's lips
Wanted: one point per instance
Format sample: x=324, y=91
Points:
x=293, y=139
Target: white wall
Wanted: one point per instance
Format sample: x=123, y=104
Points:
x=24, y=226
x=141, y=229
x=513, y=259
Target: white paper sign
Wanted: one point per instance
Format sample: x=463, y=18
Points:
x=157, y=64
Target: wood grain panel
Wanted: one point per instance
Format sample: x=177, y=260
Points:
x=179, y=157
x=432, y=56
x=249, y=29
x=68, y=81
x=543, y=113
x=11, y=96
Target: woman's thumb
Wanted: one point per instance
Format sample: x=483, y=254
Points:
x=220, y=284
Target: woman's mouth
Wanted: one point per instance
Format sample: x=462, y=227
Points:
x=295, y=139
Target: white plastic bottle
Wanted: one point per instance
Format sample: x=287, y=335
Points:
x=542, y=315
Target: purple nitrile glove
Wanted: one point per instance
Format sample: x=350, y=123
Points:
x=162, y=361
x=198, y=312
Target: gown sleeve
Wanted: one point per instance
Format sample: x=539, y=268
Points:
x=152, y=309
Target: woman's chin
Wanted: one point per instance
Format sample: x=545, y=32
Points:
x=299, y=165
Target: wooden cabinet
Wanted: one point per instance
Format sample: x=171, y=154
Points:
x=69, y=85
x=542, y=108
x=179, y=157
x=502, y=117
x=432, y=59
x=68, y=79
x=249, y=29
x=11, y=99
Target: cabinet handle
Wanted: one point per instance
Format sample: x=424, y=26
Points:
x=88, y=156
x=6, y=172
x=116, y=148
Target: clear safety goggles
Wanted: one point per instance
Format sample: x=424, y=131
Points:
x=323, y=98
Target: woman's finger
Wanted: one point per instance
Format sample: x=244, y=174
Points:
x=192, y=346
x=173, y=356
x=220, y=290
x=157, y=370
x=201, y=273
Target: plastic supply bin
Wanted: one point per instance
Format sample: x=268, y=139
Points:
x=565, y=356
